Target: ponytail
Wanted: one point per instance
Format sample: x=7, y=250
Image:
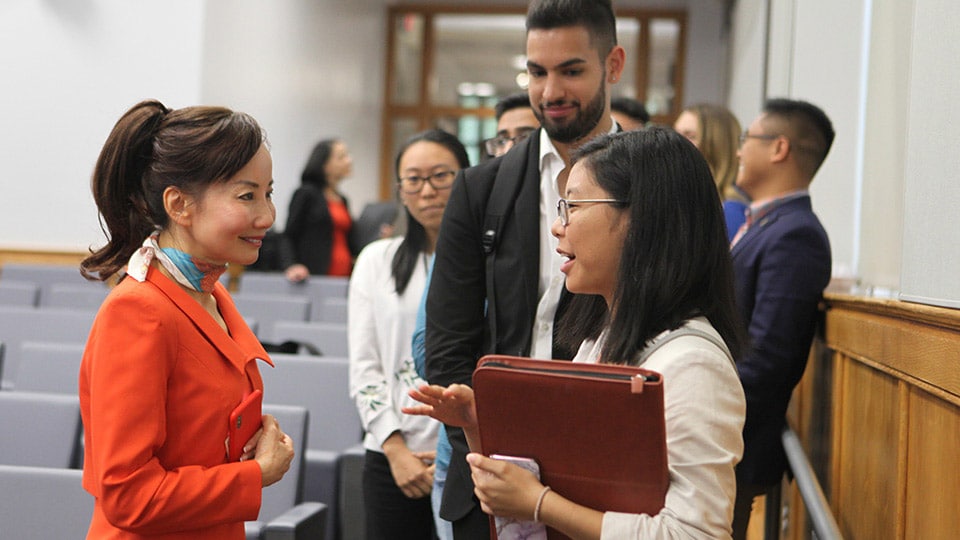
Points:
x=118, y=188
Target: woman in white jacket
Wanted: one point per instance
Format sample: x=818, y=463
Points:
x=387, y=284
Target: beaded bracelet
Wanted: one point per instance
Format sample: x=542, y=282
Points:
x=536, y=511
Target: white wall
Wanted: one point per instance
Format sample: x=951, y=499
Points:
x=71, y=68
x=306, y=71
x=706, y=59
x=931, y=253
x=828, y=71
x=747, y=59
x=811, y=50
x=885, y=144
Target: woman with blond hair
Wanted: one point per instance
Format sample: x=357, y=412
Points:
x=715, y=131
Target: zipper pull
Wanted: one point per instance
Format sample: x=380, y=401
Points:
x=637, y=382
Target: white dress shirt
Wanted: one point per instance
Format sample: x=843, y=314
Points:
x=551, y=278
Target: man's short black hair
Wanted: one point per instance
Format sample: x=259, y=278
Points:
x=630, y=107
x=512, y=101
x=808, y=128
x=594, y=15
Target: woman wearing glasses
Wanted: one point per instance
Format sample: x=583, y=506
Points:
x=385, y=292
x=640, y=231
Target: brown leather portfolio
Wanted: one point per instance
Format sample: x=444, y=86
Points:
x=596, y=430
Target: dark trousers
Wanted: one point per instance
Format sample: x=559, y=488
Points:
x=742, y=508
x=473, y=526
x=391, y=514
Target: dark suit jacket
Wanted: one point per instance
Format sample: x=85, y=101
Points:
x=781, y=266
x=309, y=230
x=465, y=317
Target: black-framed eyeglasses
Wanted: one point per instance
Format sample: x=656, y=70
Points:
x=412, y=185
x=564, y=206
x=747, y=135
x=496, y=144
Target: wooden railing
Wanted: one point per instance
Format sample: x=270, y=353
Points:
x=67, y=258
x=878, y=412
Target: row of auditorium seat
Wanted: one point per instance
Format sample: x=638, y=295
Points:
x=41, y=495
x=320, y=298
x=41, y=347
x=319, y=415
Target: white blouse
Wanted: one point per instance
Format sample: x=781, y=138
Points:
x=381, y=324
x=704, y=407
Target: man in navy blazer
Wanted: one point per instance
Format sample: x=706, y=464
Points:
x=781, y=262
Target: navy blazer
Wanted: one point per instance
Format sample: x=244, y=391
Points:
x=781, y=267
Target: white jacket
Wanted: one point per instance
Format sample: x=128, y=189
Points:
x=381, y=325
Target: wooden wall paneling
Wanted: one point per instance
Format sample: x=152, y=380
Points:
x=64, y=258
x=932, y=509
x=908, y=340
x=870, y=452
x=837, y=441
x=811, y=416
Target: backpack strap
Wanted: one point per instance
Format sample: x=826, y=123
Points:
x=685, y=330
x=506, y=187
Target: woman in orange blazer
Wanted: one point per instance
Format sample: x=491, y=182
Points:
x=181, y=194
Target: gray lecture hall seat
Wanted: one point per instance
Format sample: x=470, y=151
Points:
x=88, y=295
x=268, y=309
x=329, y=338
x=316, y=288
x=374, y=216
x=331, y=310
x=41, y=503
x=40, y=273
x=320, y=385
x=49, y=367
x=19, y=324
x=39, y=430
x=281, y=507
x=351, y=515
x=19, y=293
x=44, y=275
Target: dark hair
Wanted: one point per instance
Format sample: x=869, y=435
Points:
x=594, y=15
x=414, y=241
x=675, y=263
x=630, y=107
x=150, y=149
x=313, y=172
x=808, y=128
x=513, y=101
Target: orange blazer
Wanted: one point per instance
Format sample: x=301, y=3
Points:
x=158, y=380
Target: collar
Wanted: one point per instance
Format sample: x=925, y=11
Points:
x=758, y=209
x=549, y=152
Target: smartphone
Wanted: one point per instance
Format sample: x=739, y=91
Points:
x=245, y=420
x=516, y=529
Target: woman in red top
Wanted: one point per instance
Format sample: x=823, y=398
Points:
x=318, y=220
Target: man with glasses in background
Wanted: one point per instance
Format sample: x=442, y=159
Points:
x=515, y=122
x=497, y=285
x=781, y=264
